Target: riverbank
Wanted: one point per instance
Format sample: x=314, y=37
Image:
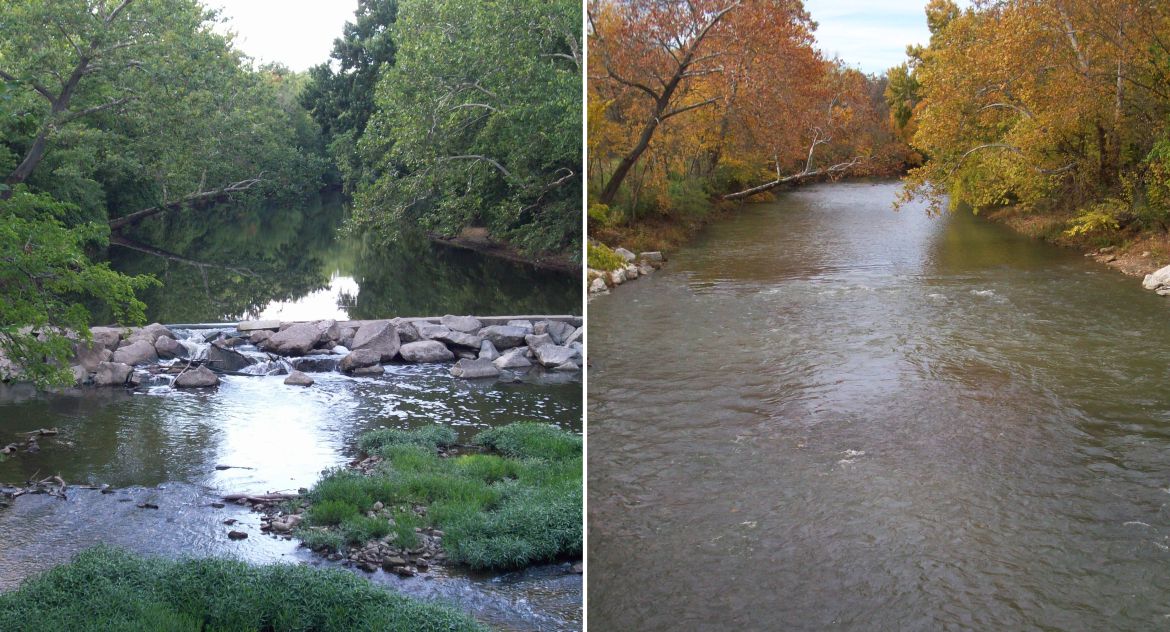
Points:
x=480, y=241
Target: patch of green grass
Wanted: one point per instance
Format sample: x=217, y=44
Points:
x=505, y=510
x=331, y=512
x=527, y=440
x=601, y=257
x=318, y=539
x=359, y=529
x=106, y=589
x=433, y=437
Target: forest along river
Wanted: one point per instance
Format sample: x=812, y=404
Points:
x=827, y=414
x=161, y=447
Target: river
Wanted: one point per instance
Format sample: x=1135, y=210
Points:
x=824, y=414
x=161, y=447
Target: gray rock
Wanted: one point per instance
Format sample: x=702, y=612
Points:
x=464, y=354
x=625, y=254
x=504, y=336
x=259, y=337
x=168, y=348
x=460, y=339
x=258, y=325
x=554, y=355
x=380, y=336
x=537, y=340
x=330, y=331
x=540, y=328
x=90, y=355
x=429, y=331
x=138, y=352
x=221, y=358
x=107, y=337
x=407, y=332
x=150, y=333
x=578, y=335
x=523, y=324
x=653, y=256
x=559, y=331
x=80, y=373
x=425, y=351
x=598, y=286
x=567, y=367
x=359, y=359
x=297, y=340
x=1159, y=281
x=376, y=369
x=296, y=378
x=617, y=277
x=631, y=271
x=465, y=324
x=513, y=359
x=347, y=336
x=315, y=364
x=487, y=351
x=111, y=374
x=201, y=377
x=473, y=369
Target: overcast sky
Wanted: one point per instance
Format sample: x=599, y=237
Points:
x=868, y=34
x=296, y=33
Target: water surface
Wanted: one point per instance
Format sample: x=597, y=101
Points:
x=827, y=415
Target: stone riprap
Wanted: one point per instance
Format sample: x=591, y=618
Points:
x=481, y=347
x=634, y=266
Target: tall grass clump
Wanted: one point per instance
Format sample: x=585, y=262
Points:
x=105, y=589
x=518, y=505
x=429, y=437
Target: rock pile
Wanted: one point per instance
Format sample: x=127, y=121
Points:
x=634, y=267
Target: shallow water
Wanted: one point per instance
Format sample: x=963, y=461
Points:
x=825, y=414
x=162, y=446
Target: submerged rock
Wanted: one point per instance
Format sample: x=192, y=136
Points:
x=425, y=351
x=472, y=369
x=201, y=377
x=376, y=369
x=296, y=378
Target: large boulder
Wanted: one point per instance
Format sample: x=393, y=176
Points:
x=429, y=331
x=90, y=355
x=259, y=337
x=487, y=351
x=296, y=378
x=1159, y=281
x=138, y=352
x=111, y=374
x=504, y=336
x=221, y=358
x=460, y=339
x=107, y=337
x=425, y=351
x=201, y=377
x=578, y=336
x=559, y=331
x=380, y=336
x=407, y=332
x=465, y=324
x=168, y=348
x=523, y=324
x=359, y=359
x=297, y=340
x=538, y=340
x=513, y=359
x=625, y=254
x=554, y=355
x=473, y=369
x=150, y=333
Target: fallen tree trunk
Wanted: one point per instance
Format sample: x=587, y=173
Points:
x=767, y=186
x=218, y=194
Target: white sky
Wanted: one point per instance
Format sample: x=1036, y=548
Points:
x=296, y=33
x=869, y=34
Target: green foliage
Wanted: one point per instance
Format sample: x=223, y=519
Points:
x=505, y=510
x=528, y=440
x=1100, y=217
x=601, y=257
x=433, y=436
x=319, y=539
x=359, y=529
x=602, y=216
x=478, y=124
x=46, y=280
x=105, y=589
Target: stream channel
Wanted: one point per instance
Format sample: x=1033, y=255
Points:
x=824, y=414
x=160, y=446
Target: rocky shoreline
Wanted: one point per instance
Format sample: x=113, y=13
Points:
x=634, y=266
x=192, y=358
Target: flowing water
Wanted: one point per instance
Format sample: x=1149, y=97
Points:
x=161, y=447
x=827, y=415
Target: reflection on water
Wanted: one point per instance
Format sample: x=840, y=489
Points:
x=860, y=419
x=256, y=260
x=162, y=447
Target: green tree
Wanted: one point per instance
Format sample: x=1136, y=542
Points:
x=478, y=124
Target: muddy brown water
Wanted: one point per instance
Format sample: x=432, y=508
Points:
x=161, y=446
x=827, y=415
